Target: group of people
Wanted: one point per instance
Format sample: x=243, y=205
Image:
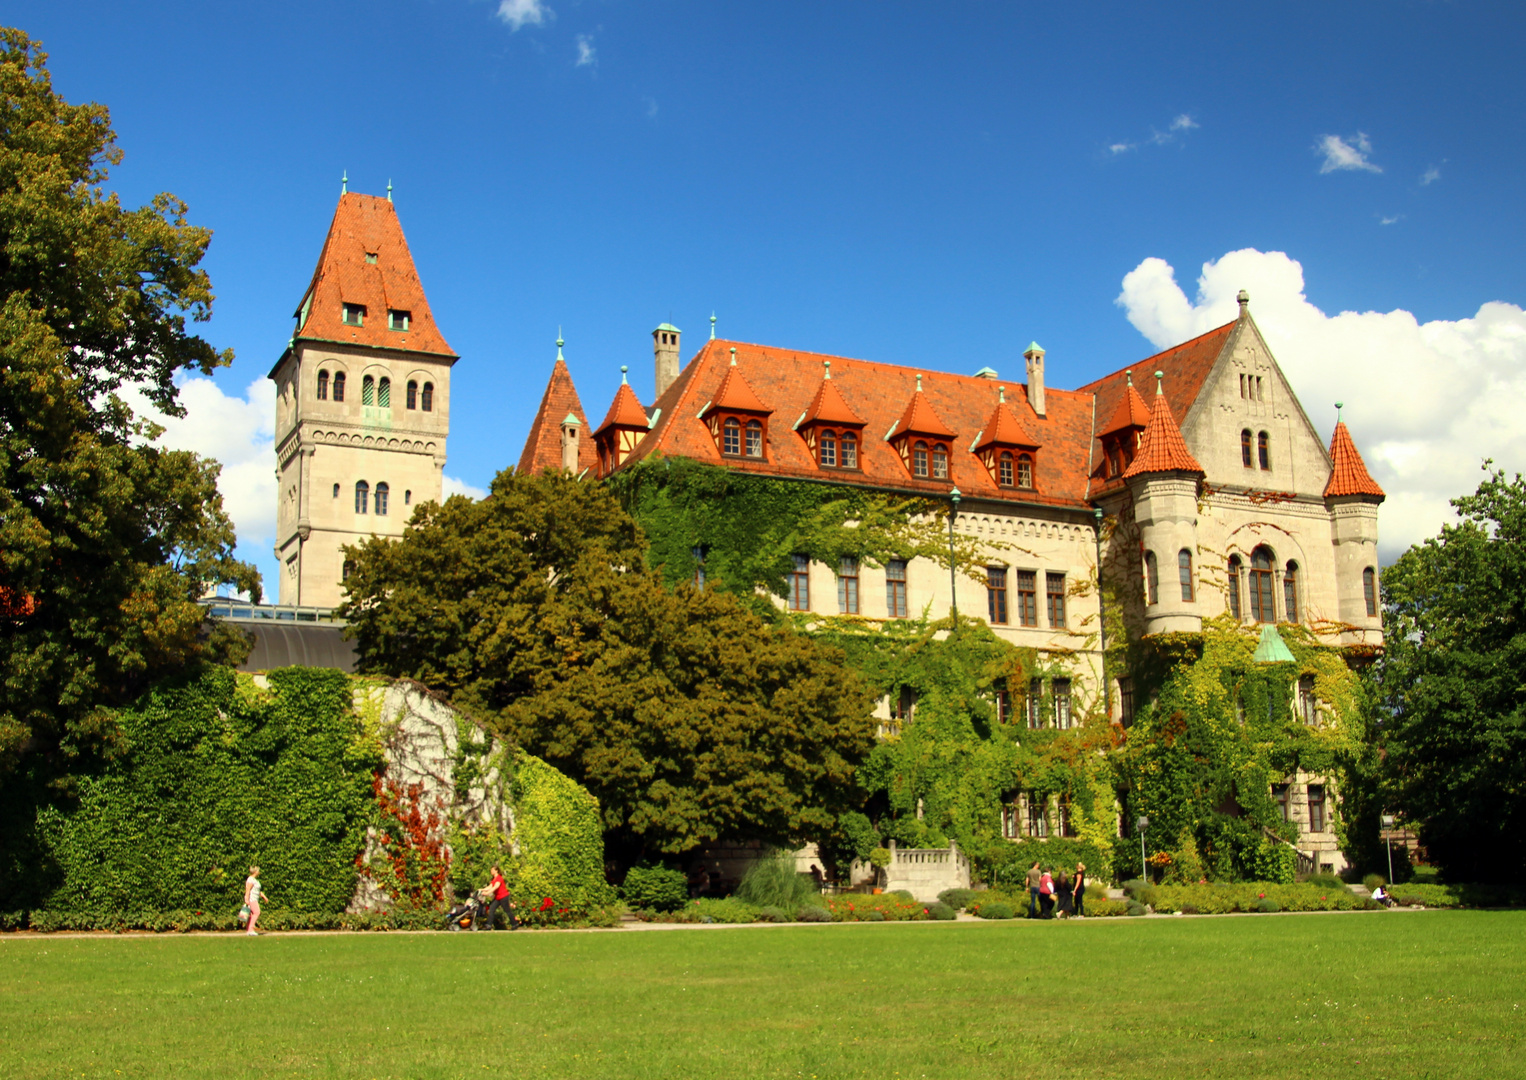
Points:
x=1051, y=896
x=494, y=898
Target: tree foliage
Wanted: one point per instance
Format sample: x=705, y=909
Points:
x=1452, y=686
x=106, y=541
x=690, y=718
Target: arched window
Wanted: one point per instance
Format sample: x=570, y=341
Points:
x=338, y=386
x=381, y=499
x=1261, y=608
x=427, y=401
x=368, y=391
x=849, y=450
x=829, y=449
x=1245, y=457
x=1184, y=572
x=1024, y=471
x=1152, y=579
x=1264, y=450
x=1004, y=474
x=1236, y=569
x=336, y=491
x=384, y=394
x=1370, y=591
x=754, y=439
x=940, y=462
x=731, y=436
x=362, y=496
x=1290, y=592
x=323, y=386
x=349, y=568
x=412, y=401
x=919, y=459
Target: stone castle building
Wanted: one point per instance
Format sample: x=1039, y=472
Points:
x=362, y=405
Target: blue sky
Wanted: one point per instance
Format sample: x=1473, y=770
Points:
x=915, y=183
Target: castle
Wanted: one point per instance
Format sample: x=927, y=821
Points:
x=1218, y=495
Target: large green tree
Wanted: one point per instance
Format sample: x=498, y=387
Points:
x=106, y=540
x=1453, y=678
x=690, y=718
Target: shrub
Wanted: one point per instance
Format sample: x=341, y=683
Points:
x=1143, y=891
x=958, y=898
x=1425, y=875
x=655, y=888
x=772, y=914
x=903, y=894
x=813, y=913
x=940, y=911
x=772, y=881
x=855, y=907
x=1136, y=908
x=994, y=910
x=874, y=916
x=1373, y=881
x=1268, y=905
x=1327, y=881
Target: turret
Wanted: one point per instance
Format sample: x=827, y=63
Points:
x=1352, y=498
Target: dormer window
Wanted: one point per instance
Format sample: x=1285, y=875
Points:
x=829, y=449
x=737, y=420
x=940, y=462
x=397, y=320
x=371, y=257
x=1004, y=469
x=919, y=459
x=754, y=438
x=354, y=314
x=1025, y=471
x=731, y=437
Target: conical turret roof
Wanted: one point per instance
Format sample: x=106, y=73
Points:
x=1131, y=412
x=1162, y=448
x=543, y=448
x=1348, y=473
x=625, y=411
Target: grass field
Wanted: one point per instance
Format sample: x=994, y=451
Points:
x=1388, y=994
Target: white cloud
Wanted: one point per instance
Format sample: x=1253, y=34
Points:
x=1172, y=134
x=518, y=13
x=1430, y=176
x=586, y=56
x=1184, y=123
x=452, y=486
x=1342, y=155
x=1426, y=402
x=1120, y=148
x=1390, y=220
x=651, y=107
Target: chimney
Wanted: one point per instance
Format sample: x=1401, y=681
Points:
x=665, y=353
x=1035, y=358
x=987, y=373
x=570, y=443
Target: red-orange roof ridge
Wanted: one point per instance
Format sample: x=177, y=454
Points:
x=829, y=406
x=1005, y=428
x=1162, y=449
x=1348, y=473
x=625, y=411
x=921, y=418
x=736, y=393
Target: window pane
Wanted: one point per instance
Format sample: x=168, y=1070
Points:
x=338, y=386
x=1370, y=591
x=940, y=463
x=1027, y=597
x=381, y=500
x=800, y=585
x=1152, y=579
x=1062, y=704
x=1054, y=594
x=849, y=451
x=323, y=386
x=1234, y=587
x=847, y=586
x=919, y=460
x=1184, y=572
x=1024, y=471
x=362, y=496
x=1004, y=476
x=368, y=391
x=1290, y=592
x=895, y=588
x=413, y=395
x=829, y=450
x=428, y=399
x=1035, y=703
x=384, y=394
x=731, y=436
x=1264, y=450
x=754, y=439
x=1245, y=457
x=996, y=593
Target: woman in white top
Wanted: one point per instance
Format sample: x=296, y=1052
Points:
x=252, y=897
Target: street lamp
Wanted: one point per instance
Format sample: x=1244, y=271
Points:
x=953, y=586
x=1144, y=870
x=1388, y=842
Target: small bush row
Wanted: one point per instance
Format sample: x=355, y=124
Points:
x=183, y=922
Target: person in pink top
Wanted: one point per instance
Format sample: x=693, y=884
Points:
x=1046, y=895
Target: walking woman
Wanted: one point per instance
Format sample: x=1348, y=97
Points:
x=1079, y=885
x=252, y=898
x=1046, y=895
x=500, y=902
x=1063, y=893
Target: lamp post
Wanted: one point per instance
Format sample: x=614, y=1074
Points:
x=953, y=585
x=1144, y=869
x=1388, y=842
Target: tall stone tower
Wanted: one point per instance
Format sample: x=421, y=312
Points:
x=363, y=402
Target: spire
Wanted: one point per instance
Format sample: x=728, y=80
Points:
x=623, y=380
x=559, y=344
x=1162, y=449
x=733, y=356
x=389, y=189
x=344, y=183
x=712, y=326
x=1348, y=473
x=544, y=447
x=365, y=264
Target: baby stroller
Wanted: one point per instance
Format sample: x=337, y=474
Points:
x=464, y=915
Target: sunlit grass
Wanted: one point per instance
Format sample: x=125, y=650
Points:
x=1389, y=994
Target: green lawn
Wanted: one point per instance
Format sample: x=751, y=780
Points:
x=1385, y=994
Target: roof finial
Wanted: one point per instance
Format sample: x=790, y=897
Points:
x=389, y=189
x=1159, y=375
x=733, y=356
x=828, y=365
x=712, y=326
x=1244, y=299
x=919, y=384
x=623, y=380
x=1129, y=375
x=344, y=183
x=560, y=343
x=1001, y=395
x=1338, y=407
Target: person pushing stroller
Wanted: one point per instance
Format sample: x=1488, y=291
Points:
x=499, y=901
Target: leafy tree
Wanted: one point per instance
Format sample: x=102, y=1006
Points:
x=106, y=541
x=690, y=718
x=1451, y=679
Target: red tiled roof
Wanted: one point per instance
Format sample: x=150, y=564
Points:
x=366, y=226
x=735, y=394
x=1348, y=474
x=876, y=393
x=625, y=411
x=1006, y=429
x=1131, y=411
x=543, y=449
x=828, y=406
x=920, y=418
x=1162, y=449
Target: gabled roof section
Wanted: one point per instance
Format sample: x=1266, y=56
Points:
x=829, y=406
x=920, y=418
x=543, y=448
x=366, y=261
x=1163, y=449
x=1131, y=412
x=625, y=411
x=1348, y=473
x=736, y=395
x=1005, y=428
